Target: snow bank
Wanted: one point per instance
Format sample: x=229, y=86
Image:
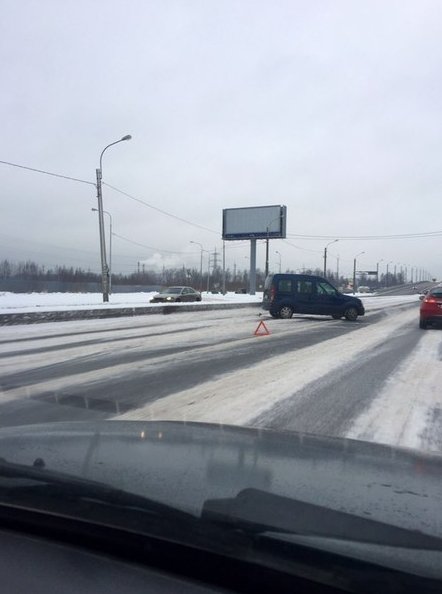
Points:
x=39, y=302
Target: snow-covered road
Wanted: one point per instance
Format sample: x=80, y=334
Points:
x=377, y=379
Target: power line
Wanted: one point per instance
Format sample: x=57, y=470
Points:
x=139, y=200
x=428, y=234
x=83, y=181
x=164, y=212
x=422, y=235
x=149, y=247
x=300, y=248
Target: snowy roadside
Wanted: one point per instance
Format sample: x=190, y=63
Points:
x=11, y=303
x=15, y=303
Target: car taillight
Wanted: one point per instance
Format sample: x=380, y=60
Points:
x=430, y=299
x=272, y=293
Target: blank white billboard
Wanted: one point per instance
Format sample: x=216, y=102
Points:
x=255, y=222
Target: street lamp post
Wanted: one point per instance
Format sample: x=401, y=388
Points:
x=110, y=245
x=201, y=263
x=325, y=256
x=386, y=282
x=208, y=273
x=104, y=266
x=267, y=243
x=279, y=260
x=377, y=272
x=267, y=253
x=354, y=271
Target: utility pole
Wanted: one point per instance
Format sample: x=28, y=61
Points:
x=215, y=259
x=105, y=280
x=325, y=256
x=201, y=263
x=104, y=266
x=208, y=272
x=354, y=271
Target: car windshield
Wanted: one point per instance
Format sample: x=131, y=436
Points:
x=220, y=272
x=326, y=289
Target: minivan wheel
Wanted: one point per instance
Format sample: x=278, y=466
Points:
x=286, y=312
x=351, y=314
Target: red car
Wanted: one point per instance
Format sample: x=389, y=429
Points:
x=431, y=308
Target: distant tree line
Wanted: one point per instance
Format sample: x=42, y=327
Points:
x=234, y=280
x=31, y=271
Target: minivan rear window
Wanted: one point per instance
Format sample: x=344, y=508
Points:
x=268, y=282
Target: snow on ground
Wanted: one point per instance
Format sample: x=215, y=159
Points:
x=403, y=412
x=39, y=302
x=266, y=383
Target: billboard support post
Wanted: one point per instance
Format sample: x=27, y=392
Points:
x=252, y=273
x=267, y=254
x=224, y=267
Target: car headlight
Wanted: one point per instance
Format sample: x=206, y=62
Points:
x=169, y=298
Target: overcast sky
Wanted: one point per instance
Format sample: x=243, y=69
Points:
x=332, y=108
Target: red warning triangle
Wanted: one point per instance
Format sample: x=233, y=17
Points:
x=262, y=329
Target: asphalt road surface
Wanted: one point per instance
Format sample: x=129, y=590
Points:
x=309, y=374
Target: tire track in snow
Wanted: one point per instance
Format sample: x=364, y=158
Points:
x=408, y=411
x=242, y=396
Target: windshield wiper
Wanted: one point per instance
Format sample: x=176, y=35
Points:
x=64, y=495
x=72, y=486
x=257, y=512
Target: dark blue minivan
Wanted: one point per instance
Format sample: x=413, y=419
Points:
x=286, y=294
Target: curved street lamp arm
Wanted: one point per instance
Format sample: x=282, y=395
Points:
x=127, y=137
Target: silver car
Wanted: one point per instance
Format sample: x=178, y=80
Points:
x=176, y=295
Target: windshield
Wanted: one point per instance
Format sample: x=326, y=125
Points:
x=193, y=196
x=326, y=289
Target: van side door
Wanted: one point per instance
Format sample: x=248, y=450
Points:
x=304, y=295
x=328, y=300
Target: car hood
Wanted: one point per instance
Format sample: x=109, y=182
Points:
x=186, y=464
x=232, y=490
